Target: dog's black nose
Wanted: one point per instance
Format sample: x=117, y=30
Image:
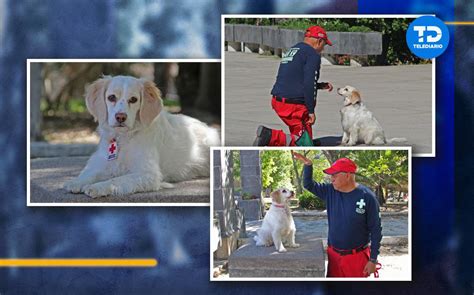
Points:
x=120, y=117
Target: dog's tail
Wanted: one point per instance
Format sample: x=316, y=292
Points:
x=397, y=140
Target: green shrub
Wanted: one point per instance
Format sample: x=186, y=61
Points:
x=310, y=202
x=247, y=196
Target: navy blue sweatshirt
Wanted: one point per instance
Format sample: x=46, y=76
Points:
x=298, y=75
x=353, y=217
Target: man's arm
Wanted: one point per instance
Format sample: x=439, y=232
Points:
x=310, y=85
x=320, y=190
x=374, y=225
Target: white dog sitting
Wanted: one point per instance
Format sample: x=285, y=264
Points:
x=278, y=226
x=142, y=147
x=358, y=123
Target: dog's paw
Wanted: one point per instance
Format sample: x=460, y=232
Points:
x=295, y=245
x=74, y=186
x=282, y=250
x=166, y=185
x=98, y=190
x=258, y=242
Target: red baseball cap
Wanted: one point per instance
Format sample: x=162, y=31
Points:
x=317, y=32
x=341, y=165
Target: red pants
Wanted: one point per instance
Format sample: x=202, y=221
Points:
x=351, y=265
x=296, y=117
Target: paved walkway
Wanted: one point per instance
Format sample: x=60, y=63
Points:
x=316, y=227
x=48, y=175
x=399, y=96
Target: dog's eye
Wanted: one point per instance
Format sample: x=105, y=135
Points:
x=284, y=190
x=112, y=98
x=345, y=89
x=133, y=99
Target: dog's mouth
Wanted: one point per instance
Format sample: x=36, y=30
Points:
x=120, y=127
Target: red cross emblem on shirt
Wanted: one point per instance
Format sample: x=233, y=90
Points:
x=112, y=148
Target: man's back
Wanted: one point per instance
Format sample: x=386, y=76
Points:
x=298, y=71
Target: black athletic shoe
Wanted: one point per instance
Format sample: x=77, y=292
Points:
x=264, y=135
x=316, y=142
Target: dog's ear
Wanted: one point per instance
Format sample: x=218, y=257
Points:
x=95, y=99
x=151, y=104
x=276, y=197
x=355, y=97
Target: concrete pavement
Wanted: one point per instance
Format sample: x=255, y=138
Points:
x=48, y=175
x=316, y=227
x=400, y=97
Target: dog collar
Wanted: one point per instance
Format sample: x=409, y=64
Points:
x=278, y=205
x=352, y=104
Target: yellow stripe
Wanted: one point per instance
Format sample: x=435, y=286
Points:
x=79, y=262
x=460, y=23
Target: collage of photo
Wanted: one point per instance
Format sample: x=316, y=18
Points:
x=299, y=139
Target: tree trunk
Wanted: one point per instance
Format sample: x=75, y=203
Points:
x=187, y=84
x=209, y=97
x=162, y=77
x=381, y=194
x=35, y=101
x=299, y=187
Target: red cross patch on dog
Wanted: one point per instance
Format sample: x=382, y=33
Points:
x=112, y=150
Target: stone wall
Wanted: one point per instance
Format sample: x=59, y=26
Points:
x=229, y=217
x=260, y=38
x=251, y=178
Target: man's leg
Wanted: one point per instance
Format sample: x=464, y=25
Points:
x=295, y=116
x=353, y=265
x=299, y=122
x=334, y=260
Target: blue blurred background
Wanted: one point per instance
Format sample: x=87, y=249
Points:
x=179, y=237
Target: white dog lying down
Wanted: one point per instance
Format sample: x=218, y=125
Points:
x=358, y=123
x=278, y=227
x=142, y=147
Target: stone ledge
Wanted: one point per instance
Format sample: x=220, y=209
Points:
x=46, y=150
x=252, y=261
x=353, y=43
x=47, y=176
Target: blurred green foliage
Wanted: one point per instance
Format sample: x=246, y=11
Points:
x=383, y=171
x=277, y=169
x=310, y=202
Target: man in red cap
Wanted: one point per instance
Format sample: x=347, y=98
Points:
x=295, y=90
x=353, y=219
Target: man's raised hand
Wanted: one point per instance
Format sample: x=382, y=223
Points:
x=301, y=158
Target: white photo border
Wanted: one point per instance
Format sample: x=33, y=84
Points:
x=433, y=60
x=28, y=144
x=211, y=215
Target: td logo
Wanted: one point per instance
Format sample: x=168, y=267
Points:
x=427, y=37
